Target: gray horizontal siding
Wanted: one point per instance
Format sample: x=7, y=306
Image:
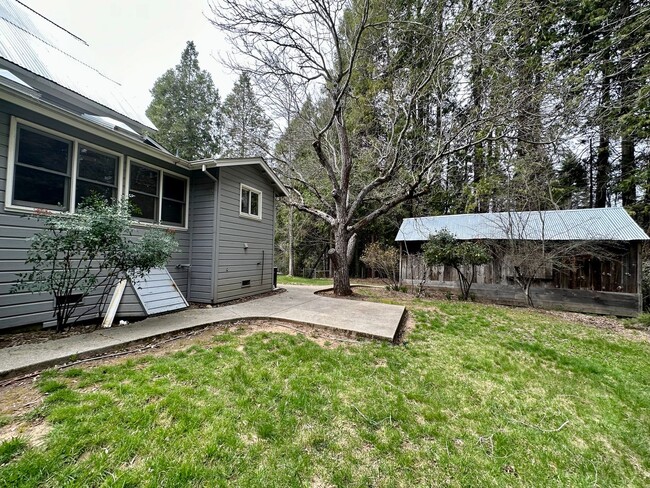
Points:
x=158, y=293
x=130, y=306
x=15, y=229
x=235, y=263
x=202, y=232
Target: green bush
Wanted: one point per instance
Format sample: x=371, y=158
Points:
x=443, y=249
x=385, y=260
x=89, y=251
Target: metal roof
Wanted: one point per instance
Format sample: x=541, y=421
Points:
x=38, y=45
x=590, y=224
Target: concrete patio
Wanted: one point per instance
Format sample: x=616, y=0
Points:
x=298, y=304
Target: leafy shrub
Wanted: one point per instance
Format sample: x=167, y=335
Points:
x=443, y=249
x=77, y=254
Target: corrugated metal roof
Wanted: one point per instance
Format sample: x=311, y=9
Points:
x=38, y=45
x=108, y=122
x=591, y=224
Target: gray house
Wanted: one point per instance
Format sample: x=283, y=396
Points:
x=66, y=131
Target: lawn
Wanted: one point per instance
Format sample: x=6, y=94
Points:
x=297, y=280
x=477, y=396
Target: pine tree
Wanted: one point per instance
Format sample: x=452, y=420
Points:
x=185, y=108
x=246, y=127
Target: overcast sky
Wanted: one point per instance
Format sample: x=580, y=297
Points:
x=136, y=41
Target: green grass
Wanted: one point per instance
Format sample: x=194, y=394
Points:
x=296, y=280
x=476, y=397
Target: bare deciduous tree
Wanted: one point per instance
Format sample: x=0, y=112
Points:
x=297, y=50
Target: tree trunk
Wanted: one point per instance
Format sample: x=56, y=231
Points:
x=602, y=170
x=628, y=170
x=628, y=92
x=340, y=255
x=602, y=157
x=290, y=270
x=529, y=298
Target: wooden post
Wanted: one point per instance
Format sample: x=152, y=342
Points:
x=400, y=263
x=639, y=275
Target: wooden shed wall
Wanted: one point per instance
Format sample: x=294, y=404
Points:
x=584, y=285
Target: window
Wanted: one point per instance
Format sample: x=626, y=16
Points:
x=157, y=196
x=52, y=171
x=251, y=202
x=42, y=170
x=55, y=171
x=96, y=174
x=143, y=186
x=173, y=200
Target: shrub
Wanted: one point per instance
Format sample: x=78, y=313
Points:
x=443, y=249
x=77, y=254
x=385, y=260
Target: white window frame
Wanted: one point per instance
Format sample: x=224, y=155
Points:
x=74, y=147
x=161, y=173
x=251, y=190
x=95, y=147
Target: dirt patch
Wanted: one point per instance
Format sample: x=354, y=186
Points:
x=600, y=322
x=33, y=432
x=16, y=401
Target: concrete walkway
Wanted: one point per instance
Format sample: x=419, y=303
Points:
x=298, y=304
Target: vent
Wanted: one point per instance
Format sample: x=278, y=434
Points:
x=246, y=283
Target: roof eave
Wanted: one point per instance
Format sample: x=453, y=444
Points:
x=226, y=162
x=35, y=103
x=62, y=91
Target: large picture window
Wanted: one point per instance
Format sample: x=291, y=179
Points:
x=157, y=196
x=51, y=170
x=251, y=202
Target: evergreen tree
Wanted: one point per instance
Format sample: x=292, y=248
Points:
x=246, y=127
x=185, y=108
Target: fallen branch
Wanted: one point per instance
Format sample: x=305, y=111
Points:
x=546, y=431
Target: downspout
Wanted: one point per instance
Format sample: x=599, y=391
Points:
x=205, y=171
